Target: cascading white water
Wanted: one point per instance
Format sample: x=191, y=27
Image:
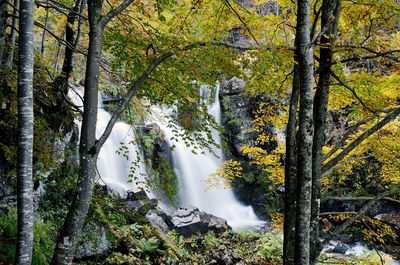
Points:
x=192, y=171
x=114, y=169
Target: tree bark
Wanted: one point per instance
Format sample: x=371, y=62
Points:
x=305, y=53
x=330, y=10
x=68, y=237
x=10, y=57
x=25, y=135
x=3, y=27
x=290, y=174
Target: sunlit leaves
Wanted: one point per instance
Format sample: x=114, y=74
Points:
x=223, y=176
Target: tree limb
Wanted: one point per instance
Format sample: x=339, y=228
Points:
x=112, y=13
x=241, y=20
x=353, y=92
x=135, y=86
x=359, y=139
x=362, y=198
x=343, y=140
x=127, y=98
x=363, y=210
x=335, y=213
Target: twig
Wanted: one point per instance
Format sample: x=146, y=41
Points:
x=352, y=91
x=241, y=20
x=377, y=252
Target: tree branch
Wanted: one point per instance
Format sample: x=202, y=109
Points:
x=362, y=198
x=127, y=98
x=353, y=92
x=363, y=210
x=112, y=13
x=317, y=39
x=343, y=140
x=157, y=61
x=359, y=139
x=241, y=20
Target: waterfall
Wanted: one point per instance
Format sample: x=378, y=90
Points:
x=192, y=170
x=120, y=171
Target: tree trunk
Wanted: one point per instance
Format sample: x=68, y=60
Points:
x=290, y=174
x=44, y=31
x=305, y=53
x=3, y=27
x=25, y=135
x=68, y=237
x=10, y=57
x=60, y=84
x=62, y=80
x=330, y=9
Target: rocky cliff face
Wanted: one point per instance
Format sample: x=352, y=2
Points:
x=237, y=115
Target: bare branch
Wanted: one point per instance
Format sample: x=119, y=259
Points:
x=363, y=210
x=359, y=139
x=335, y=213
x=353, y=92
x=241, y=20
x=350, y=131
x=362, y=198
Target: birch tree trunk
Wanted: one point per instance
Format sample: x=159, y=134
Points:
x=304, y=52
x=330, y=10
x=10, y=57
x=25, y=135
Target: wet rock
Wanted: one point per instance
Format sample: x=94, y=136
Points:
x=340, y=248
x=139, y=195
x=189, y=220
x=157, y=221
x=139, y=201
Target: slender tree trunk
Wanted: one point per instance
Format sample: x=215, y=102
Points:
x=3, y=27
x=305, y=52
x=330, y=9
x=44, y=31
x=25, y=135
x=60, y=84
x=62, y=80
x=68, y=237
x=10, y=57
x=57, y=64
x=290, y=174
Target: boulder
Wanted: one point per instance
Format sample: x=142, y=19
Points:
x=95, y=243
x=157, y=221
x=188, y=221
x=340, y=248
x=140, y=202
